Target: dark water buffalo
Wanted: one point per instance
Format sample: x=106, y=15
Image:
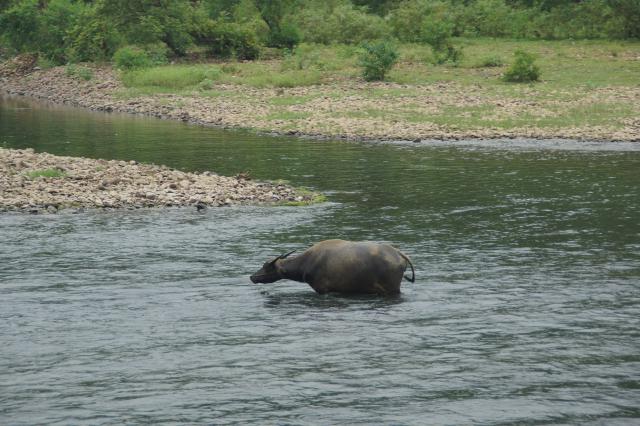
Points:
x=342, y=267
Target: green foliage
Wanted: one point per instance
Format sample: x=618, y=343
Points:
x=77, y=71
x=19, y=25
x=92, y=38
x=171, y=77
x=131, y=57
x=282, y=32
x=490, y=61
x=436, y=33
x=448, y=54
x=226, y=39
x=45, y=173
x=627, y=12
x=146, y=22
x=523, y=69
x=64, y=31
x=54, y=22
x=303, y=57
x=339, y=23
x=377, y=59
x=135, y=57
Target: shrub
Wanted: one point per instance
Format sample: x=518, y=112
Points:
x=303, y=57
x=377, y=59
x=55, y=21
x=131, y=57
x=406, y=20
x=448, y=54
x=226, y=39
x=206, y=84
x=19, y=25
x=135, y=57
x=77, y=71
x=490, y=61
x=523, y=69
x=287, y=35
x=436, y=33
x=92, y=38
x=342, y=23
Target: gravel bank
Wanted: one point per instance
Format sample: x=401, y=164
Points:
x=40, y=182
x=323, y=114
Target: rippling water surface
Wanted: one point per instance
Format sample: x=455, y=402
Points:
x=526, y=308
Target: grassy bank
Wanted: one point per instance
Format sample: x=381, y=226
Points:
x=584, y=84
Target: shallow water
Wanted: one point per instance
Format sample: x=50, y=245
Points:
x=526, y=307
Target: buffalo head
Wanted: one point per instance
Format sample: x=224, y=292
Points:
x=269, y=271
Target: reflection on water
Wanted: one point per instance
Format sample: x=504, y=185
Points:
x=525, y=308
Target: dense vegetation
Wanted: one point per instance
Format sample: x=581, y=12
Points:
x=142, y=33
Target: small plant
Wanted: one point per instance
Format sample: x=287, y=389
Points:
x=491, y=61
x=76, y=71
x=130, y=58
x=305, y=197
x=448, y=53
x=229, y=68
x=46, y=173
x=206, y=84
x=302, y=57
x=377, y=59
x=45, y=63
x=437, y=34
x=523, y=69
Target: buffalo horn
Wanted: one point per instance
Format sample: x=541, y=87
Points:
x=282, y=256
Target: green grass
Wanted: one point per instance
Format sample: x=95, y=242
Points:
x=309, y=197
x=78, y=71
x=574, y=76
x=291, y=100
x=170, y=78
x=288, y=115
x=45, y=173
x=175, y=78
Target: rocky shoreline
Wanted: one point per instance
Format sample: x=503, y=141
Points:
x=45, y=183
x=324, y=116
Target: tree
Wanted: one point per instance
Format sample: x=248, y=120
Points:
x=281, y=32
x=628, y=12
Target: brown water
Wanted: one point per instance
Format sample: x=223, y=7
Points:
x=526, y=307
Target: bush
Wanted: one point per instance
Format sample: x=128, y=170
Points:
x=490, y=61
x=131, y=57
x=328, y=23
x=406, y=20
x=19, y=25
x=225, y=39
x=377, y=59
x=287, y=35
x=303, y=57
x=77, y=71
x=92, y=38
x=135, y=57
x=447, y=54
x=55, y=21
x=523, y=69
x=436, y=33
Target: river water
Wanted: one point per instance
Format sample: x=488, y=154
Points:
x=526, y=306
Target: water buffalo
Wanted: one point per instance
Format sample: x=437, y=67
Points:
x=342, y=267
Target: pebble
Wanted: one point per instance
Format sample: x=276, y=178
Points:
x=87, y=183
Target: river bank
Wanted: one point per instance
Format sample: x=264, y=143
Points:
x=471, y=105
x=40, y=182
